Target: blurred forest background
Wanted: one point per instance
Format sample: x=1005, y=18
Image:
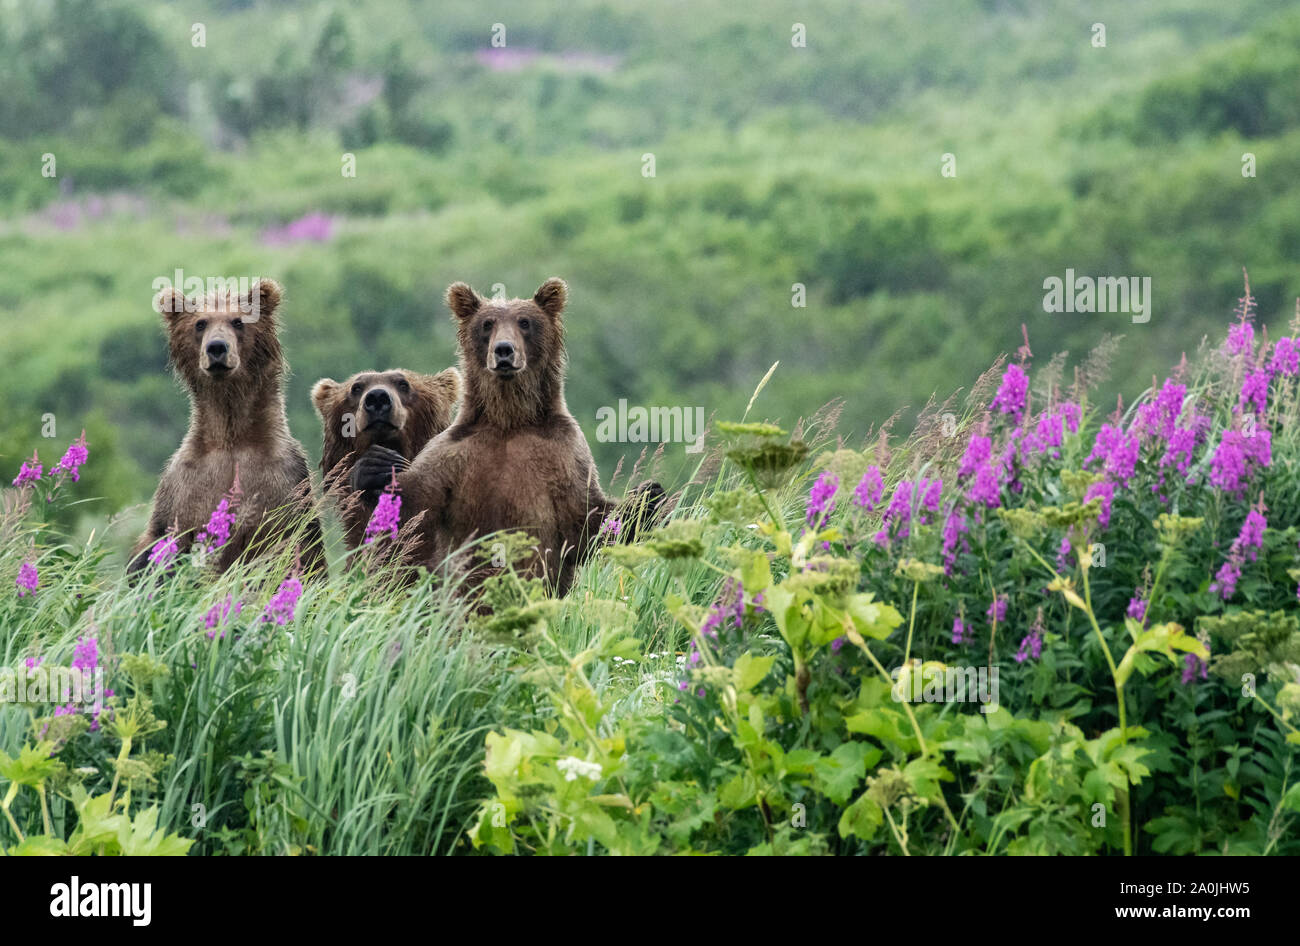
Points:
x=775, y=165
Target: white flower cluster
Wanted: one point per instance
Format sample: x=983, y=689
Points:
x=572, y=767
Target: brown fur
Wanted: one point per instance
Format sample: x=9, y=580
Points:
x=237, y=426
x=515, y=459
x=422, y=406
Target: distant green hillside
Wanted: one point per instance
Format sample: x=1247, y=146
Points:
x=775, y=165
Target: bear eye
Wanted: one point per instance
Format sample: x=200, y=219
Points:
x=405, y=386
x=237, y=323
x=524, y=324
x=200, y=325
x=356, y=389
x=487, y=325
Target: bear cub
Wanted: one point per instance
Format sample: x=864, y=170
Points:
x=397, y=409
x=515, y=458
x=225, y=348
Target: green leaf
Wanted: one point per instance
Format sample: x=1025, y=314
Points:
x=861, y=819
x=41, y=845
x=787, y=611
x=740, y=792
x=750, y=670
x=924, y=775
x=838, y=774
x=871, y=618
x=755, y=573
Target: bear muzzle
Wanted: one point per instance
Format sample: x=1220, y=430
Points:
x=506, y=359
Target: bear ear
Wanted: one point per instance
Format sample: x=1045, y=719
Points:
x=169, y=302
x=462, y=300
x=323, y=393
x=262, y=301
x=551, y=296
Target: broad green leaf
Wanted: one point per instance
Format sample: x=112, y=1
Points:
x=750, y=670
x=861, y=819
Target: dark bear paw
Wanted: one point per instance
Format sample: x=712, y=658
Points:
x=374, y=471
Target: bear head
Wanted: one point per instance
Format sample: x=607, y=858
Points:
x=398, y=409
x=226, y=339
x=511, y=352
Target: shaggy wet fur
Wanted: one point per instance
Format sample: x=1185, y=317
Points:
x=515, y=459
x=414, y=408
x=226, y=351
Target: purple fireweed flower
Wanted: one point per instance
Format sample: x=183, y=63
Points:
x=1225, y=579
x=953, y=528
x=1012, y=392
x=1157, y=417
x=1070, y=411
x=1241, y=338
x=986, y=489
x=1117, y=451
x=217, y=532
x=313, y=227
x=997, y=610
x=28, y=581
x=958, y=630
x=1014, y=450
x=869, y=490
x=611, y=526
x=1249, y=538
x=1254, y=392
x=164, y=550
x=821, y=500
x=85, y=659
x=837, y=644
x=1031, y=645
x=897, y=516
x=1236, y=456
x=387, y=517
x=1178, y=452
x=978, y=450
x=280, y=609
x=33, y=662
x=1286, y=358
x=1191, y=666
x=1047, y=435
x=1063, y=554
x=1105, y=490
x=219, y=612
x=1137, y=610
x=930, y=491
x=73, y=459
x=29, y=472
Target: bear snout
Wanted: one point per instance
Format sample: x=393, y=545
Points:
x=378, y=403
x=507, y=358
x=218, y=356
x=383, y=409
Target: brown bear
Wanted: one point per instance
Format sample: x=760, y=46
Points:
x=225, y=348
x=515, y=459
x=397, y=409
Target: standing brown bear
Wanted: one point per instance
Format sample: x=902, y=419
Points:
x=515, y=459
x=397, y=409
x=226, y=350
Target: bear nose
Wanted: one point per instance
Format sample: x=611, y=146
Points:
x=504, y=351
x=217, y=351
x=378, y=402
